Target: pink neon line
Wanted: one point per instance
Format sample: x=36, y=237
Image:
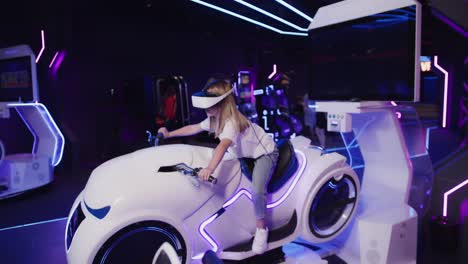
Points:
x=446, y=194
x=393, y=103
x=398, y=114
x=43, y=46
x=444, y=117
x=53, y=59
x=273, y=73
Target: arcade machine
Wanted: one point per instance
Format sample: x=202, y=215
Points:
x=170, y=100
x=19, y=92
x=244, y=89
x=274, y=108
x=385, y=227
x=167, y=102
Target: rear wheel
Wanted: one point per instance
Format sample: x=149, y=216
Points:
x=332, y=206
x=139, y=242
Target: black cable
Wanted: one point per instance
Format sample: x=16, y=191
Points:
x=259, y=141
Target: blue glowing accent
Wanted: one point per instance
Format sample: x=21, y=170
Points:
x=359, y=133
x=98, y=213
x=295, y=10
x=33, y=224
x=428, y=135
x=358, y=167
x=328, y=150
x=347, y=149
x=249, y=19
x=419, y=155
x=384, y=20
x=271, y=15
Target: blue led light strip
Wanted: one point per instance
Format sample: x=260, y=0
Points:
x=271, y=15
x=249, y=19
x=32, y=224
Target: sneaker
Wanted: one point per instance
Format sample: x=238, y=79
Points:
x=259, y=245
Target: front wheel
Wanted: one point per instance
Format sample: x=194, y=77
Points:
x=139, y=243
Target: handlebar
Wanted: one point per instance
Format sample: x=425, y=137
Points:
x=211, y=179
x=186, y=170
x=159, y=137
x=154, y=140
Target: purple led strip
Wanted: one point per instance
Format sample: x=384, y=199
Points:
x=235, y=197
x=273, y=73
x=59, y=61
x=53, y=59
x=444, y=115
x=43, y=46
x=450, y=23
x=446, y=194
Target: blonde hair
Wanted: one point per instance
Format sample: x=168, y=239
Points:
x=227, y=110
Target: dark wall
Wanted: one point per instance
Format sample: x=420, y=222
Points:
x=109, y=43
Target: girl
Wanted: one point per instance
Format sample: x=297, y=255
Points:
x=238, y=136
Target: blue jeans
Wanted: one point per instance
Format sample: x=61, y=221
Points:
x=263, y=170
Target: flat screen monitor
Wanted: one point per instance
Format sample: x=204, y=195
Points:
x=369, y=58
x=16, y=79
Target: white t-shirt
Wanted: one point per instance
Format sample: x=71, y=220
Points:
x=252, y=143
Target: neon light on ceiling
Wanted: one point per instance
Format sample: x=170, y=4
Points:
x=444, y=115
x=43, y=46
x=49, y=121
x=246, y=193
x=446, y=194
x=295, y=10
x=53, y=59
x=249, y=19
x=273, y=73
x=271, y=15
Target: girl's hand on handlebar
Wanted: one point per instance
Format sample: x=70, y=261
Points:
x=164, y=131
x=205, y=173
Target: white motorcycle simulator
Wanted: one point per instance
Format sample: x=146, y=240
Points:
x=135, y=203
x=132, y=204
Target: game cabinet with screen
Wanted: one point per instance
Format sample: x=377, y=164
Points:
x=371, y=57
x=18, y=81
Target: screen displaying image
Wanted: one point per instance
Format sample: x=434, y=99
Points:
x=370, y=58
x=16, y=79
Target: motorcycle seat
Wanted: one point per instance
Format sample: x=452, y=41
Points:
x=285, y=167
